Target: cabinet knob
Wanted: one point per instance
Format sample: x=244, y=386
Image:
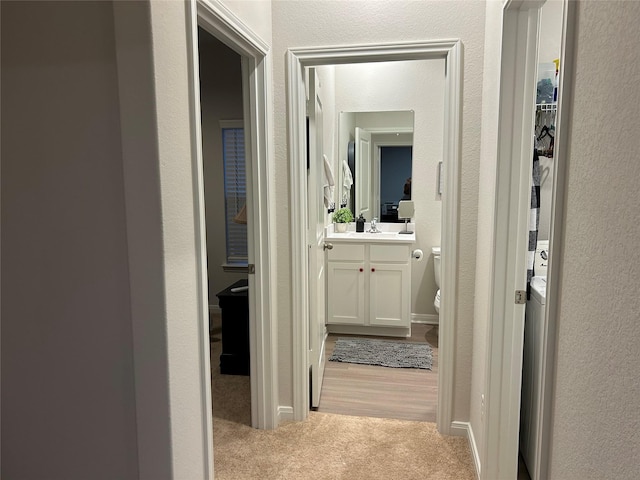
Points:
x=362, y=269
x=373, y=269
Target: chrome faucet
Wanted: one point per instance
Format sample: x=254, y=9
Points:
x=374, y=228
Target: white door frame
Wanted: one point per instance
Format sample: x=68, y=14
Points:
x=515, y=150
x=515, y=153
x=214, y=17
x=297, y=60
x=375, y=178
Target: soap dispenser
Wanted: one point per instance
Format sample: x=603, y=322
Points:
x=360, y=224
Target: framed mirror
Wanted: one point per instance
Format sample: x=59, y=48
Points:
x=378, y=151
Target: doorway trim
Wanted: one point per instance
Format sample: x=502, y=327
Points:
x=377, y=156
x=297, y=60
x=214, y=17
x=506, y=326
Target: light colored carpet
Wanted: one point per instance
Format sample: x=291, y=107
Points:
x=328, y=446
x=325, y=446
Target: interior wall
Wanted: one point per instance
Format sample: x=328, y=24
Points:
x=343, y=23
x=256, y=14
x=220, y=99
x=68, y=399
x=597, y=388
x=400, y=86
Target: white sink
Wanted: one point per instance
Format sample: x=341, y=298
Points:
x=391, y=237
x=373, y=236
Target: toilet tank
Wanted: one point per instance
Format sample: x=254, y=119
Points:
x=436, y=264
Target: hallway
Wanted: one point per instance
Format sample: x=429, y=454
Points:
x=326, y=446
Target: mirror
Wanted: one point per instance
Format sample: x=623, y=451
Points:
x=377, y=148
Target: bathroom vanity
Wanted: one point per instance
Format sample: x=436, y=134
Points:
x=369, y=283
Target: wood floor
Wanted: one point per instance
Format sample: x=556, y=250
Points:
x=383, y=392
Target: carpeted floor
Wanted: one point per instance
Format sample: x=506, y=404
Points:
x=325, y=446
x=328, y=446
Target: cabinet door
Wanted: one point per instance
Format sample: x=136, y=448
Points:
x=345, y=289
x=390, y=295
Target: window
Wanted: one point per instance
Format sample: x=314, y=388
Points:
x=235, y=193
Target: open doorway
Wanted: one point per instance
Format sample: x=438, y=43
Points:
x=520, y=36
x=539, y=325
x=214, y=20
x=359, y=134
x=221, y=107
x=449, y=54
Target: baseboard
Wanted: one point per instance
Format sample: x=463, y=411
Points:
x=285, y=414
x=362, y=330
x=427, y=318
x=214, y=309
x=465, y=429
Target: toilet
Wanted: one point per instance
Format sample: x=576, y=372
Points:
x=436, y=270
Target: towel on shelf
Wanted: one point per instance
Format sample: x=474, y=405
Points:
x=347, y=181
x=329, y=183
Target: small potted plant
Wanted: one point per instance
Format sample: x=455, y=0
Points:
x=341, y=218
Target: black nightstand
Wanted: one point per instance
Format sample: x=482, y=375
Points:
x=234, y=359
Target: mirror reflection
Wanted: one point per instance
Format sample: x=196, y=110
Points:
x=378, y=147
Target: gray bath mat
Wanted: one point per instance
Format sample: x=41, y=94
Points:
x=382, y=352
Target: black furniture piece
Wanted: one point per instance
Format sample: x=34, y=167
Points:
x=234, y=359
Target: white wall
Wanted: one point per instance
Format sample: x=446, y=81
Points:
x=68, y=400
x=597, y=387
x=256, y=14
x=340, y=23
x=220, y=99
x=550, y=38
x=403, y=86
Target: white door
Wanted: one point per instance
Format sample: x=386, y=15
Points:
x=363, y=173
x=316, y=217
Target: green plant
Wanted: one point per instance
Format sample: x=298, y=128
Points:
x=343, y=215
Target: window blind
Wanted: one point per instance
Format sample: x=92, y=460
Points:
x=235, y=193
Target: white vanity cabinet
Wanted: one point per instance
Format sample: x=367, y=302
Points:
x=389, y=285
x=346, y=284
x=369, y=288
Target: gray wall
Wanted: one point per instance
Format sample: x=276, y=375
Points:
x=597, y=392
x=68, y=406
x=220, y=99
